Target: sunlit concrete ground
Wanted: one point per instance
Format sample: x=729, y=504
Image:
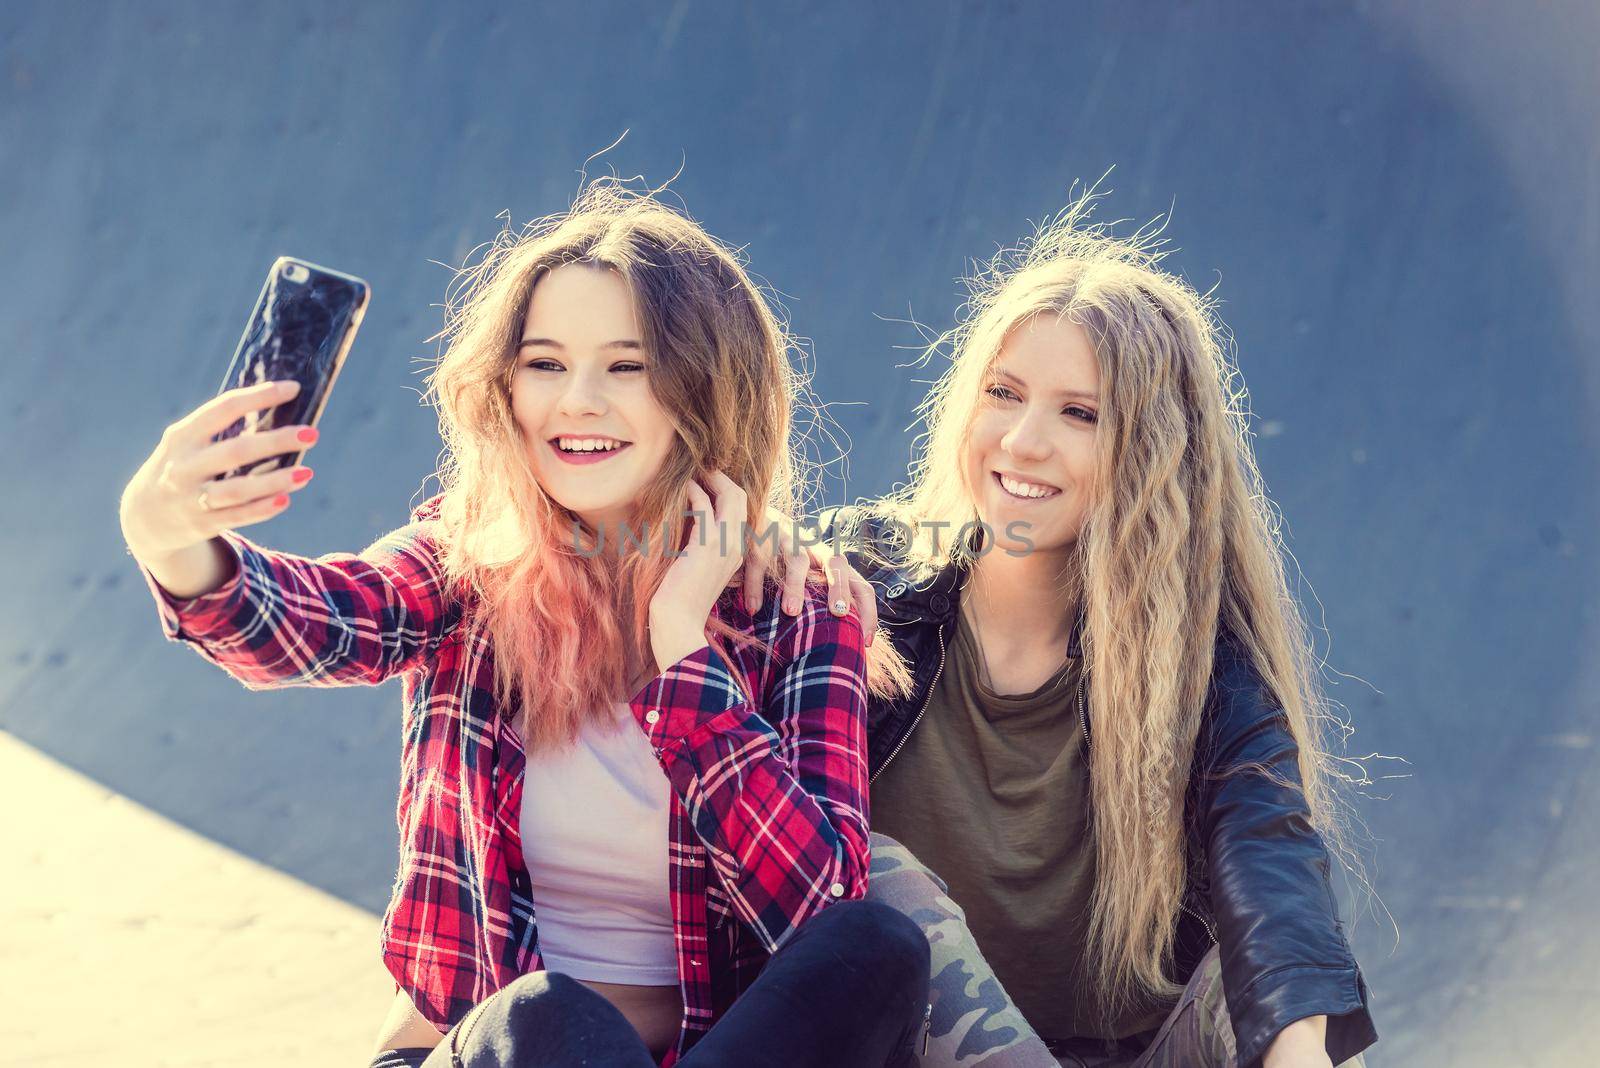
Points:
x=126, y=939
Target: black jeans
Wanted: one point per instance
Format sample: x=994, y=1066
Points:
x=848, y=989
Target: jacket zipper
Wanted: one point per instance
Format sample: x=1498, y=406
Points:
x=1083, y=717
x=1210, y=931
x=925, y=702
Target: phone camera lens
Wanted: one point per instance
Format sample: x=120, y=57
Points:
x=295, y=273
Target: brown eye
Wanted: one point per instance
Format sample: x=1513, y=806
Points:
x=1077, y=411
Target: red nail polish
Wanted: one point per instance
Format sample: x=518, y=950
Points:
x=301, y=475
x=280, y=500
x=307, y=435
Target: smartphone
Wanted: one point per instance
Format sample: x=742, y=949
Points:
x=302, y=328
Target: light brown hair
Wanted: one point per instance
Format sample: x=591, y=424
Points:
x=568, y=625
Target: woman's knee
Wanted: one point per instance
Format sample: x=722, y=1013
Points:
x=535, y=1007
x=883, y=939
x=546, y=1018
x=528, y=998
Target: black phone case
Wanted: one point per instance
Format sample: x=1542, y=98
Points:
x=302, y=328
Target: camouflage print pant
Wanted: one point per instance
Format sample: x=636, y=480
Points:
x=974, y=1023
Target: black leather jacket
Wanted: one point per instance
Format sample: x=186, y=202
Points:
x=1258, y=872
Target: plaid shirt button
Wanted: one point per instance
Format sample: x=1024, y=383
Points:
x=837, y=890
x=652, y=715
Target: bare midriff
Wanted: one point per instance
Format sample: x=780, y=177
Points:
x=654, y=1011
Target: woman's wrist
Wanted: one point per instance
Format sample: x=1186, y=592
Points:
x=1303, y=1044
x=192, y=571
x=673, y=637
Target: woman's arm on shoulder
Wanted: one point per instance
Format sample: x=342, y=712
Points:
x=776, y=792
x=336, y=620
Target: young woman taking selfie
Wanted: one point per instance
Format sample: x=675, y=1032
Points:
x=1108, y=798
x=633, y=820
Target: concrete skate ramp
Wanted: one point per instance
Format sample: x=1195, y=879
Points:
x=1397, y=202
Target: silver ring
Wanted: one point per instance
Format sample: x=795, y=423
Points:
x=205, y=503
x=841, y=607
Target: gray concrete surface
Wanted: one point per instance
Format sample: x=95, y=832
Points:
x=1397, y=201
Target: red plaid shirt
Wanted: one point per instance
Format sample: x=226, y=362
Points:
x=769, y=818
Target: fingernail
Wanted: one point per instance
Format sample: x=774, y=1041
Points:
x=791, y=607
x=280, y=500
x=300, y=475
x=307, y=434
x=289, y=386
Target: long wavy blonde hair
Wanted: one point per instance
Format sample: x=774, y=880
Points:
x=568, y=624
x=1180, y=542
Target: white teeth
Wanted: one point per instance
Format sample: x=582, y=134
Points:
x=588, y=444
x=1026, y=489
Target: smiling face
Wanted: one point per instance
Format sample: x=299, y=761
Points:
x=1030, y=457
x=581, y=395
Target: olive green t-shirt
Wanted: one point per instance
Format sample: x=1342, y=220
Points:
x=991, y=791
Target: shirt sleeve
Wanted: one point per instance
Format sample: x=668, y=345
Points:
x=776, y=792
x=341, y=619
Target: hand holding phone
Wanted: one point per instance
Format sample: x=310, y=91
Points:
x=233, y=461
x=176, y=499
x=301, y=330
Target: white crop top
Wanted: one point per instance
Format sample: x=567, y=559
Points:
x=594, y=835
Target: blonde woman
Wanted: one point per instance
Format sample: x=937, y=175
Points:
x=633, y=820
x=1113, y=755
